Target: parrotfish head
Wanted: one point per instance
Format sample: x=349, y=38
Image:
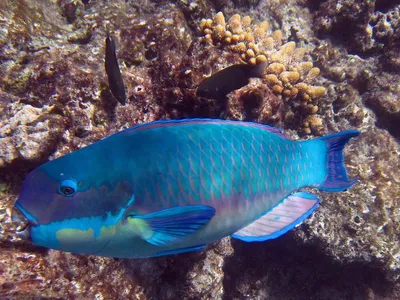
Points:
x=72, y=205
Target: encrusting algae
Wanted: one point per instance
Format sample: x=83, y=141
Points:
x=287, y=74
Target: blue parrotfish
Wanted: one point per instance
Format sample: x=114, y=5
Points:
x=170, y=187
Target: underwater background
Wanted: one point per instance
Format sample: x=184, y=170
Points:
x=333, y=65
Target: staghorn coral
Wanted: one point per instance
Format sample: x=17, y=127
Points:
x=286, y=74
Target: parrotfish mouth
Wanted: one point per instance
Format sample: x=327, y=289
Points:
x=23, y=230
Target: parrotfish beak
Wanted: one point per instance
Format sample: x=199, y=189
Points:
x=24, y=228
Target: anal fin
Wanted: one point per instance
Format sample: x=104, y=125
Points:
x=280, y=219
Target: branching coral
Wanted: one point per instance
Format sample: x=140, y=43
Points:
x=287, y=74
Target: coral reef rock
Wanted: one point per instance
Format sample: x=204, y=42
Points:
x=26, y=132
x=332, y=65
x=367, y=216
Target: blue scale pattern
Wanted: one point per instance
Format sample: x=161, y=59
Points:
x=213, y=164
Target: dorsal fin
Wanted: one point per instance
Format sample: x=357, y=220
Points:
x=169, y=123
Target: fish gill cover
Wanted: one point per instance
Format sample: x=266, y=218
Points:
x=54, y=99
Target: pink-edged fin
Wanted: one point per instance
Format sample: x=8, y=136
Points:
x=280, y=219
x=171, y=123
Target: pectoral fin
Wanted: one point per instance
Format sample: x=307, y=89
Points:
x=166, y=226
x=280, y=219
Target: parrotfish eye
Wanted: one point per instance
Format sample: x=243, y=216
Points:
x=68, y=187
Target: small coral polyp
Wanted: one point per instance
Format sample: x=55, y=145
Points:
x=286, y=74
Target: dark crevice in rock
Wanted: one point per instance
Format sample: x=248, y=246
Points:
x=391, y=124
x=251, y=105
x=313, y=5
x=284, y=269
x=345, y=24
x=202, y=10
x=161, y=277
x=347, y=35
x=19, y=168
x=385, y=119
x=109, y=104
x=23, y=247
x=246, y=3
x=385, y=5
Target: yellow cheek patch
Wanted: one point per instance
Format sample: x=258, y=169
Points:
x=107, y=231
x=140, y=227
x=75, y=235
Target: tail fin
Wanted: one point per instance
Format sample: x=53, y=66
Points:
x=336, y=178
x=258, y=70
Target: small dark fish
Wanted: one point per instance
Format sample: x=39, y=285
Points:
x=113, y=73
x=220, y=84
